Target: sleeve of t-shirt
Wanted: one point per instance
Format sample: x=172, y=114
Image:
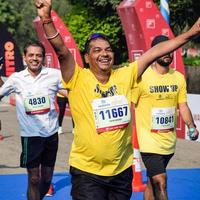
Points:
x=8, y=86
x=135, y=94
x=71, y=83
x=60, y=81
x=134, y=72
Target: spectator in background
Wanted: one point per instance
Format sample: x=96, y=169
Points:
x=62, y=101
x=1, y=65
x=1, y=83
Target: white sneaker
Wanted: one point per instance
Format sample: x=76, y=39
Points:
x=60, y=131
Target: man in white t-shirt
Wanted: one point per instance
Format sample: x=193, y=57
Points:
x=35, y=90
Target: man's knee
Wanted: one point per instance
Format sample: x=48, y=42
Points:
x=159, y=182
x=34, y=180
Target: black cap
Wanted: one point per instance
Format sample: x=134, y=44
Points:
x=158, y=39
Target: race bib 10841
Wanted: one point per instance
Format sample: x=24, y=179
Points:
x=163, y=119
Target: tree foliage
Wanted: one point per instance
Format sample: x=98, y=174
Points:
x=9, y=15
x=84, y=17
x=183, y=13
x=18, y=16
x=87, y=17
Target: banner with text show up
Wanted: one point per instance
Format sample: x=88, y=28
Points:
x=142, y=21
x=10, y=54
x=51, y=57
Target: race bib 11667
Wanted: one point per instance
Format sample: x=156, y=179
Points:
x=111, y=113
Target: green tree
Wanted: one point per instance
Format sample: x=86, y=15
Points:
x=9, y=15
x=183, y=13
x=87, y=17
x=18, y=15
x=84, y=17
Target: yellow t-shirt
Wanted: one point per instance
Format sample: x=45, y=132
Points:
x=108, y=153
x=156, y=97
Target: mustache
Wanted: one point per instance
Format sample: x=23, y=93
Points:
x=168, y=56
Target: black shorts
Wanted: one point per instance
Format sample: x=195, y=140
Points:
x=39, y=150
x=90, y=186
x=155, y=163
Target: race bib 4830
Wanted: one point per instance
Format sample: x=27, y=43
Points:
x=37, y=104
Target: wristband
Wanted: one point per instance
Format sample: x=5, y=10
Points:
x=189, y=124
x=53, y=36
x=47, y=21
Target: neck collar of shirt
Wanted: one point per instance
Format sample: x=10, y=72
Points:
x=44, y=70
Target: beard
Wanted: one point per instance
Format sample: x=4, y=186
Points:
x=165, y=61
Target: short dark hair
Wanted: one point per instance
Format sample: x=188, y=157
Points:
x=158, y=39
x=36, y=44
x=92, y=37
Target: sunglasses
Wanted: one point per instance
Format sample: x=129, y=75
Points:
x=93, y=37
x=96, y=35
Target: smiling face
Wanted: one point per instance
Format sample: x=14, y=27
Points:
x=34, y=58
x=100, y=56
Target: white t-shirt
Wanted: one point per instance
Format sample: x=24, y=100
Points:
x=35, y=100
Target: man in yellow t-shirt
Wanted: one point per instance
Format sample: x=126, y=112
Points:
x=157, y=96
x=100, y=98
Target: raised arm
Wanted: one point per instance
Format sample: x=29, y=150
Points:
x=166, y=47
x=66, y=59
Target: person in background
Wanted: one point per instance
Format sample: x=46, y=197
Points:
x=35, y=90
x=1, y=65
x=100, y=99
x=62, y=101
x=160, y=92
x=1, y=83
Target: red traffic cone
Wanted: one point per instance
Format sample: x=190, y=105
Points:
x=137, y=184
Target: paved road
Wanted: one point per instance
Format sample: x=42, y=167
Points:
x=187, y=153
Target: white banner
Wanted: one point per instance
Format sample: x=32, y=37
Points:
x=193, y=102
